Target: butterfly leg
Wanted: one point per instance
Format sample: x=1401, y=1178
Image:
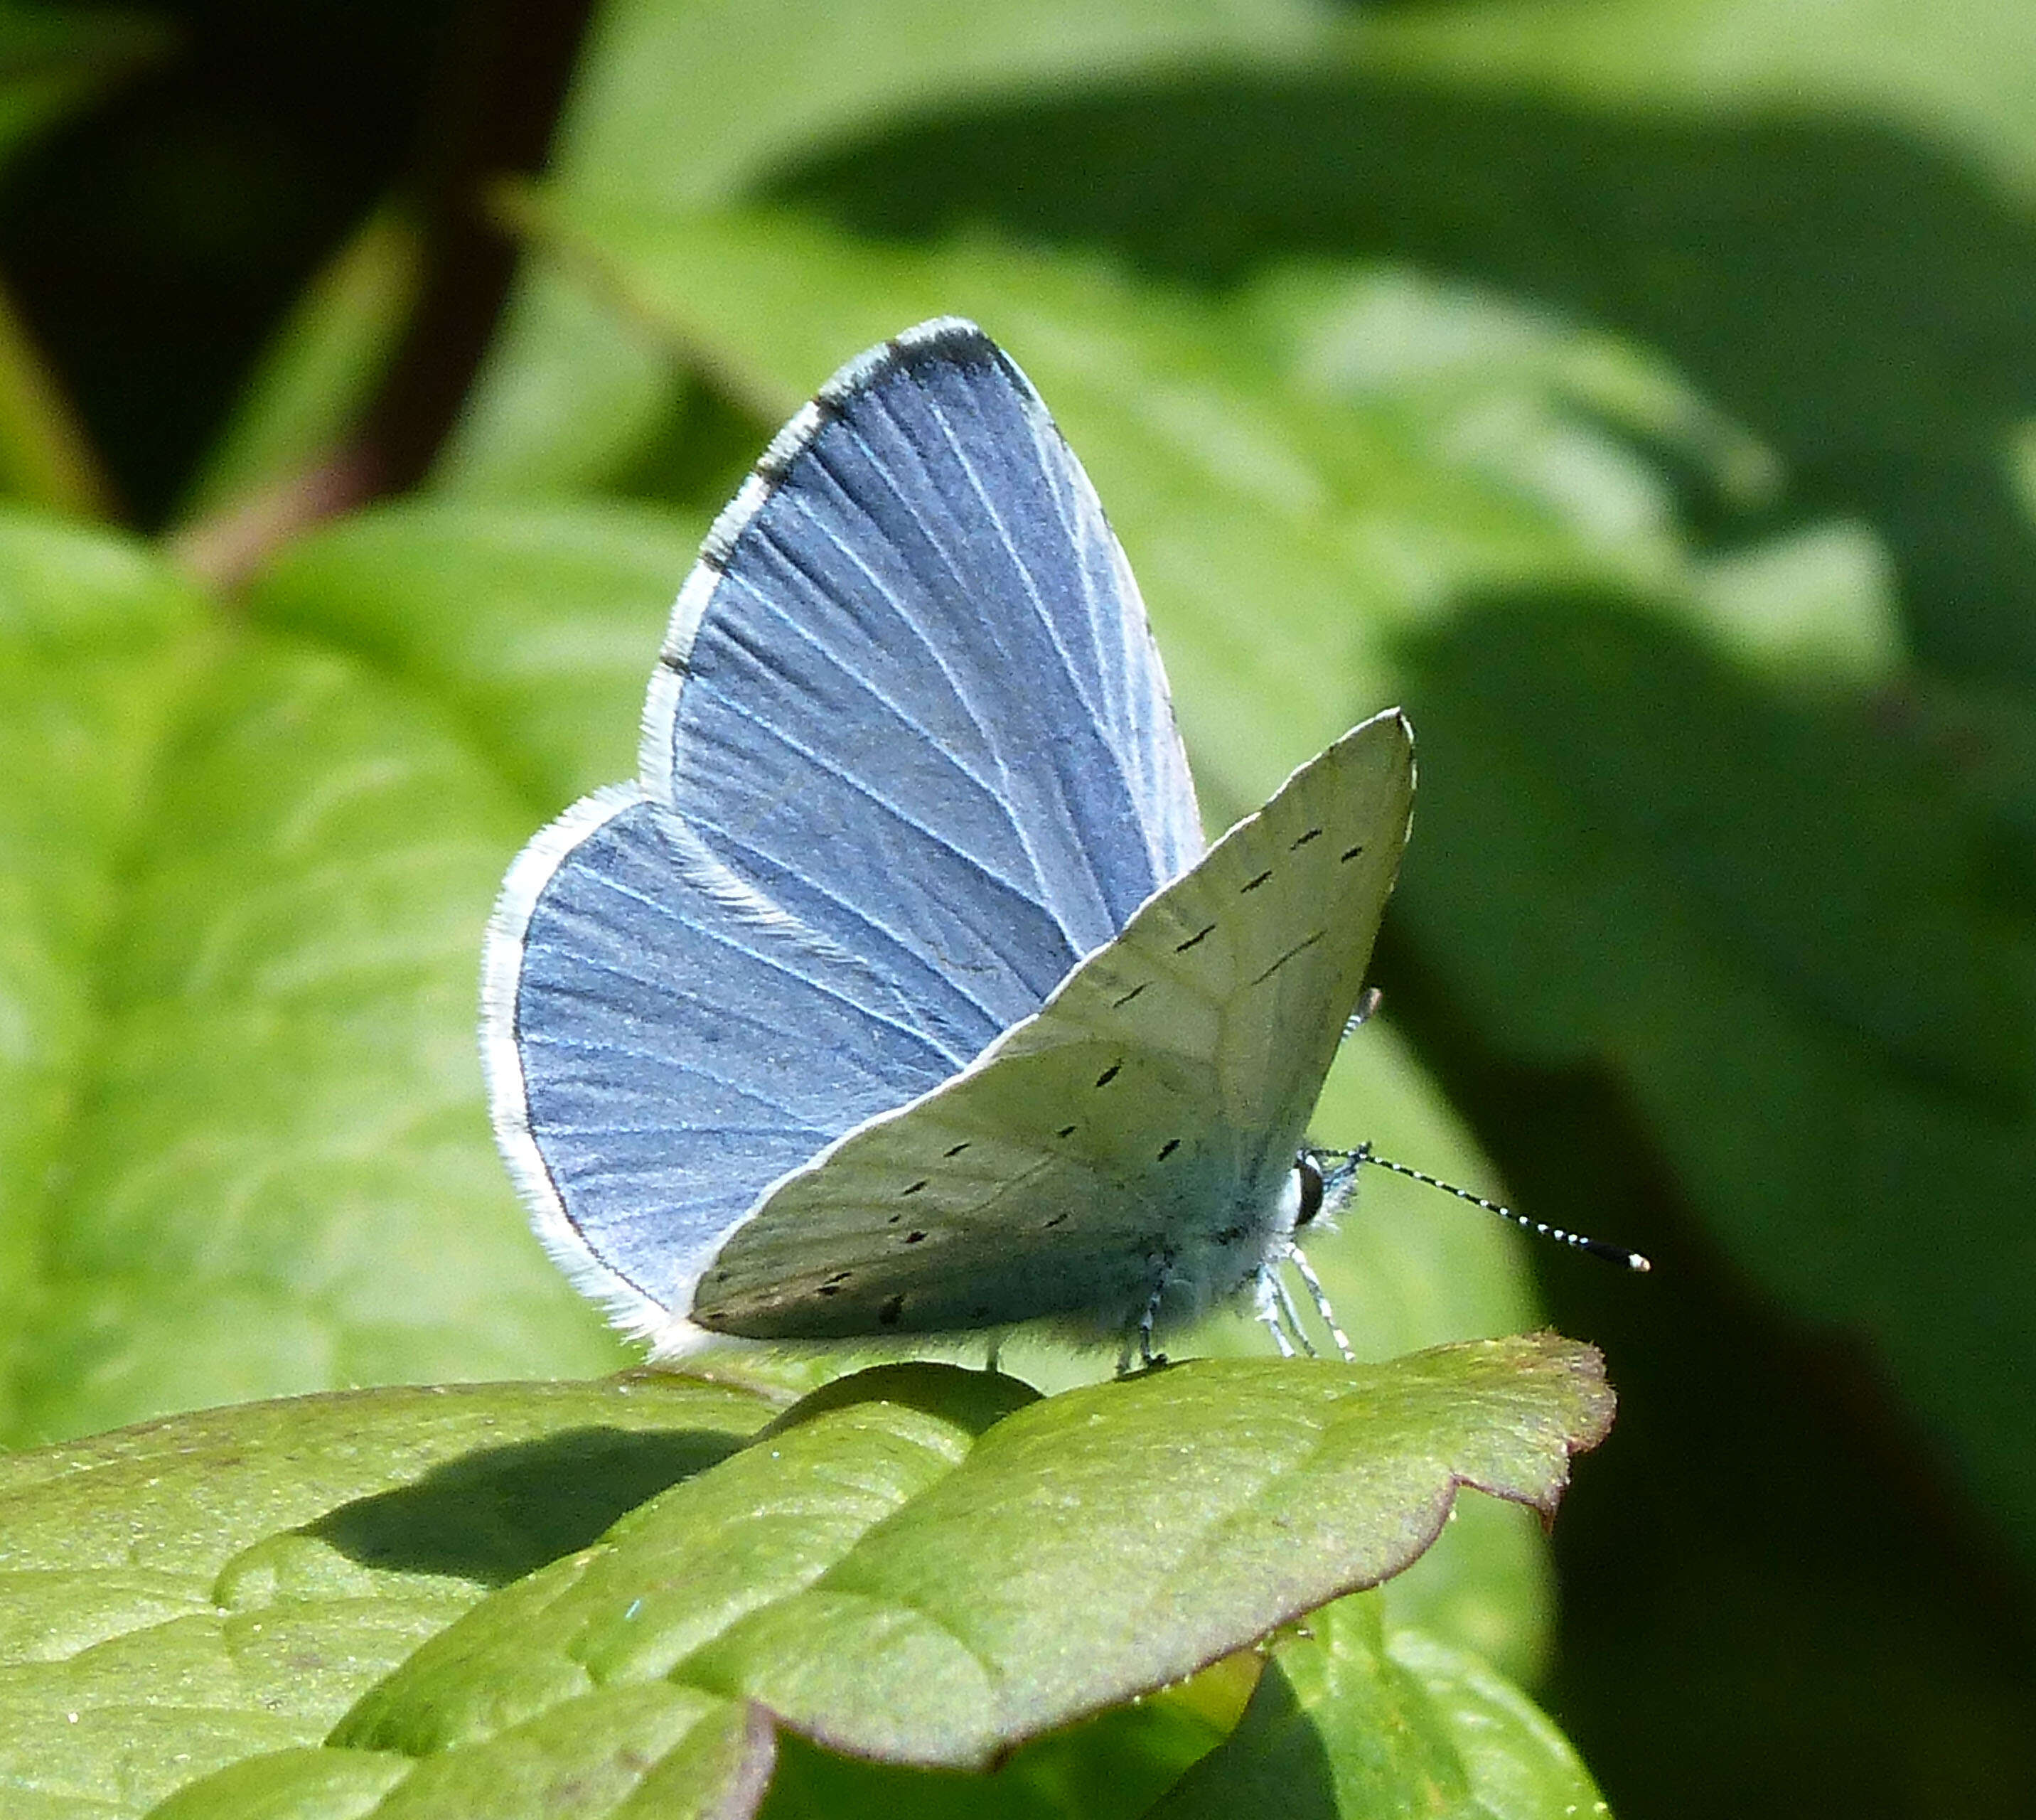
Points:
x=1142, y=1334
x=992, y=1359
x=1291, y=1315
x=1274, y=1309
x=1320, y=1297
x=1147, y=1357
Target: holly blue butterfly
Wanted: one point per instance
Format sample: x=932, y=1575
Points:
x=898, y=994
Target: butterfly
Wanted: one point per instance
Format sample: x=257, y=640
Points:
x=898, y=994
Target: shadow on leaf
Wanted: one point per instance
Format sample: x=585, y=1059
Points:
x=497, y=1514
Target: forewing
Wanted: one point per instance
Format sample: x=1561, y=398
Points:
x=910, y=693
x=1144, y=1123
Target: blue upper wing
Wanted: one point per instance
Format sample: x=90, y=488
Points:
x=907, y=756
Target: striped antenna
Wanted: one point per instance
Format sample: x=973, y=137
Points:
x=1576, y=1241
x=1366, y=1007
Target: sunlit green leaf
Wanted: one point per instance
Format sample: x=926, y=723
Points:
x=175, y=1597
x=537, y=625
x=889, y=1583
x=247, y=1148
x=919, y=1563
x=97, y=646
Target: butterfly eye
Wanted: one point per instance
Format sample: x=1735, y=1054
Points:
x=1311, y=1190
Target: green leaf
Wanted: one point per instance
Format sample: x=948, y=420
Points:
x=642, y=1751
x=1607, y=159
x=178, y=1596
x=1544, y=409
x=537, y=625
x=1951, y=75
x=917, y=1565
x=96, y=648
x=673, y=106
x=1344, y=1723
x=683, y=104
x=1851, y=1004
x=1519, y=1766
x=187, y=1607
x=1662, y=156
x=246, y=1144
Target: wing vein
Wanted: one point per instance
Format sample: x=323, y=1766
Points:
x=932, y=836
x=1030, y=584
x=771, y=962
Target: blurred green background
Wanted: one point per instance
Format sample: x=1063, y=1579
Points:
x=1643, y=391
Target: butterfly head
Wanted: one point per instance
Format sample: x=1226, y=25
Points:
x=1323, y=1180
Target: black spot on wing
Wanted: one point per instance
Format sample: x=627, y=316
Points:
x=1199, y=935
x=1252, y=884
